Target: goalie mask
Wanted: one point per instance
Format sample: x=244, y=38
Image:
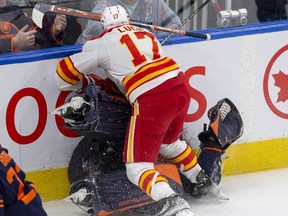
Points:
x=114, y=16
x=80, y=112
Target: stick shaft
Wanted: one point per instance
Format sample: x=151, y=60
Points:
x=187, y=19
x=172, y=31
x=67, y=11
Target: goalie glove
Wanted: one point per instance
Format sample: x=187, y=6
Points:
x=226, y=125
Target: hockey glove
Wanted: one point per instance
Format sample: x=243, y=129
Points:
x=226, y=125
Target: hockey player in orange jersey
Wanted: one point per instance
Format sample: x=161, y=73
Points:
x=17, y=195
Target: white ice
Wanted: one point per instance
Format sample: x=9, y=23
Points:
x=257, y=194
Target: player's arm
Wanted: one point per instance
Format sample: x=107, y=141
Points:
x=71, y=73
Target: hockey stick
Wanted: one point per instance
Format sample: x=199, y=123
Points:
x=186, y=20
x=184, y=7
x=172, y=31
x=40, y=9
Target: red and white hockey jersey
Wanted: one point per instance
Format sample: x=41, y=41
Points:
x=132, y=58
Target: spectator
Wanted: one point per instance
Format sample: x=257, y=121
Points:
x=270, y=10
x=17, y=196
x=20, y=3
x=18, y=32
x=155, y=12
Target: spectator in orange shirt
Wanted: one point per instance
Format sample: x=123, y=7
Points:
x=18, y=32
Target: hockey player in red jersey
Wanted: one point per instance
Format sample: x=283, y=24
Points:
x=18, y=197
x=153, y=83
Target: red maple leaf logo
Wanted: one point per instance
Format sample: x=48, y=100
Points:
x=281, y=81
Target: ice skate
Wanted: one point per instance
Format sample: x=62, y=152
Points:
x=174, y=205
x=206, y=187
x=81, y=197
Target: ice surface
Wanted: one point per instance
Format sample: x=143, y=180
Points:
x=256, y=194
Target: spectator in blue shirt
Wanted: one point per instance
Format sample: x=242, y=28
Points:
x=155, y=12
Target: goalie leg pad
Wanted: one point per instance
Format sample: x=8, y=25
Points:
x=95, y=154
x=210, y=160
x=115, y=194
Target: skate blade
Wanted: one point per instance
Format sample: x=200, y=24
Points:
x=185, y=212
x=77, y=196
x=221, y=196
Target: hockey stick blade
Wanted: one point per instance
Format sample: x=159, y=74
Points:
x=38, y=13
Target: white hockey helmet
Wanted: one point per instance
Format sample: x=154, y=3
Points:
x=113, y=16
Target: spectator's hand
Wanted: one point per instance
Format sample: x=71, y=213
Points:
x=24, y=39
x=60, y=23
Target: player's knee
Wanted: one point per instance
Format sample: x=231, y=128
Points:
x=210, y=160
x=173, y=149
x=135, y=170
